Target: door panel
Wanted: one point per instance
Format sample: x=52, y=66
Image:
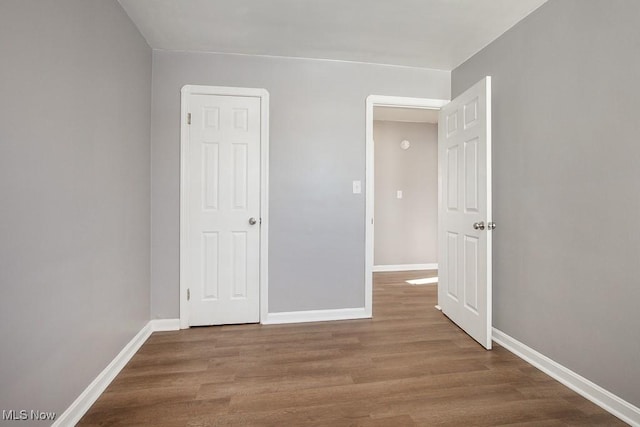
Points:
x=211, y=168
x=471, y=176
x=223, y=194
x=210, y=265
x=464, y=151
x=451, y=265
x=471, y=250
x=239, y=279
x=452, y=178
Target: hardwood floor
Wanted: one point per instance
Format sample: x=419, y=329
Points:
x=408, y=366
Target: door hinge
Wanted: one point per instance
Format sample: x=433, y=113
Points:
x=188, y=118
x=188, y=294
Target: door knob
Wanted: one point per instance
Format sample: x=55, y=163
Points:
x=478, y=225
x=252, y=221
x=491, y=226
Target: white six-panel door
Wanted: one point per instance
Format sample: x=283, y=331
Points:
x=223, y=197
x=465, y=222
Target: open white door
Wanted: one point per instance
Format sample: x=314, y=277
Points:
x=465, y=221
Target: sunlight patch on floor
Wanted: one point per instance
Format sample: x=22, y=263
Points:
x=426, y=281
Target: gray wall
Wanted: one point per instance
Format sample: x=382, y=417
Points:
x=75, y=90
x=566, y=167
x=316, y=242
x=406, y=230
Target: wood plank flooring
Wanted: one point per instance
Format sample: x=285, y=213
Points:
x=408, y=366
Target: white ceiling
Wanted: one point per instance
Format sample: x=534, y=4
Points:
x=398, y=114
x=438, y=34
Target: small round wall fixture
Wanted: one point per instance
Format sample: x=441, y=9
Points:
x=405, y=144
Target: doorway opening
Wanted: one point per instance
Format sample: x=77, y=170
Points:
x=465, y=221
x=401, y=191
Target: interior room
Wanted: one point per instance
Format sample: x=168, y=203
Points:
x=405, y=196
x=406, y=188
x=193, y=223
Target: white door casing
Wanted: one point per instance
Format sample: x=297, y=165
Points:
x=464, y=249
x=222, y=254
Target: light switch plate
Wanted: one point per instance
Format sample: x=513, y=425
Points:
x=399, y=194
x=357, y=187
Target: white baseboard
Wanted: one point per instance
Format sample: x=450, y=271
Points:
x=160, y=325
x=315, y=316
x=404, y=267
x=88, y=397
x=593, y=392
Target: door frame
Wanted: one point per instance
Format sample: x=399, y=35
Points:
x=185, y=96
x=381, y=101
